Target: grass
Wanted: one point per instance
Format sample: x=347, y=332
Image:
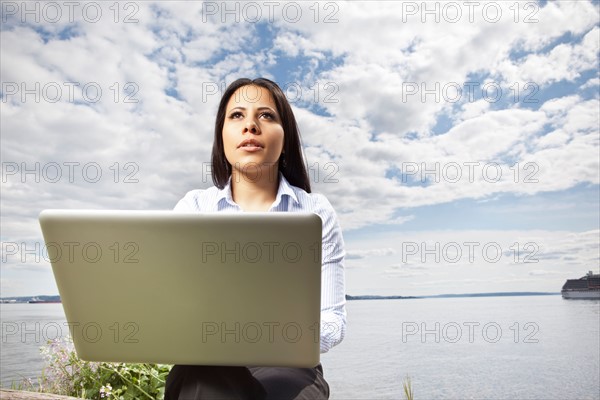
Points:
x=408, y=390
x=66, y=374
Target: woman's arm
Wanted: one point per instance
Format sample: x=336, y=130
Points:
x=333, y=293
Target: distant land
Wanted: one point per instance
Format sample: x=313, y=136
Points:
x=493, y=294
x=56, y=299
x=31, y=299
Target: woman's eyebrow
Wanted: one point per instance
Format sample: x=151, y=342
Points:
x=267, y=108
x=259, y=108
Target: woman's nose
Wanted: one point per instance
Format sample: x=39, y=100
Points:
x=251, y=127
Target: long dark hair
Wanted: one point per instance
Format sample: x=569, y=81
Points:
x=293, y=169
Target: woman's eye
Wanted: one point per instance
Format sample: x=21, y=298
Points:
x=267, y=114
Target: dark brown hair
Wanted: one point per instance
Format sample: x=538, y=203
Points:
x=293, y=169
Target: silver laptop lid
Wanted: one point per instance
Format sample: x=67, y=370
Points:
x=189, y=288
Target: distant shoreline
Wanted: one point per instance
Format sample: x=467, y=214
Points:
x=41, y=299
x=56, y=299
x=494, y=294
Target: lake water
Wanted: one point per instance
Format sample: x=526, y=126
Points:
x=539, y=347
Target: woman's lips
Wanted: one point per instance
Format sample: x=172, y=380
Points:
x=250, y=145
x=250, y=149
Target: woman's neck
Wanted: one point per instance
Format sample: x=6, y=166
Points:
x=254, y=192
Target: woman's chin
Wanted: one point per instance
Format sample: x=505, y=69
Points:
x=256, y=170
x=252, y=164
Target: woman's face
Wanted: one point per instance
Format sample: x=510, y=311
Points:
x=252, y=131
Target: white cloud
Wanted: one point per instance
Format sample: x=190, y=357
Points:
x=359, y=254
x=541, y=272
x=564, y=62
x=176, y=57
x=9, y=286
x=473, y=109
x=591, y=83
x=461, y=261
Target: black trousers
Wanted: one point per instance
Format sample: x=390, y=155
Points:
x=193, y=382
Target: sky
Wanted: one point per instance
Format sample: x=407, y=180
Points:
x=457, y=141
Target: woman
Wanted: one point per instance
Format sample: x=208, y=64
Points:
x=257, y=165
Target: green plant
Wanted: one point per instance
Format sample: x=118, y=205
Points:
x=66, y=374
x=408, y=390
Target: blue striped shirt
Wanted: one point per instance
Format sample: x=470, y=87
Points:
x=293, y=199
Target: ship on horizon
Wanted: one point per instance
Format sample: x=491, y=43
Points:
x=586, y=287
x=37, y=300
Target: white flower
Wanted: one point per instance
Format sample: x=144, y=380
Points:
x=105, y=391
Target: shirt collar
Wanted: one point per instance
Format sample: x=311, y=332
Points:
x=285, y=189
x=224, y=195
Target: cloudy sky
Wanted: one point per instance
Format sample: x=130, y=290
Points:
x=457, y=141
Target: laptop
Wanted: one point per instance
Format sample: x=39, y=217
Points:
x=238, y=289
